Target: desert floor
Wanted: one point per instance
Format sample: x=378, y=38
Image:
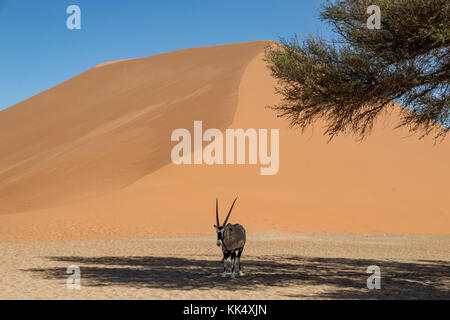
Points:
x=275, y=266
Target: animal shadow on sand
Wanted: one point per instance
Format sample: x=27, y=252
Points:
x=343, y=278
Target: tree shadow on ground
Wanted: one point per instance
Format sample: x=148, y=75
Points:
x=342, y=278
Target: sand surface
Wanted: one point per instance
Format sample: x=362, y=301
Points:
x=90, y=159
x=275, y=266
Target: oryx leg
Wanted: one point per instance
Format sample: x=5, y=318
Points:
x=239, y=261
x=233, y=263
x=225, y=262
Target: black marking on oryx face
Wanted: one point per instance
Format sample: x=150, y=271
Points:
x=219, y=231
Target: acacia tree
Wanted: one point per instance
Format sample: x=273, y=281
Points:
x=349, y=81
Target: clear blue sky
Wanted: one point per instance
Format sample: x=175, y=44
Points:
x=37, y=50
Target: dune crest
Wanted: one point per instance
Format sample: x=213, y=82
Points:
x=95, y=160
x=104, y=64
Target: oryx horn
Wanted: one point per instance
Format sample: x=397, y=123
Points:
x=217, y=213
x=225, y=222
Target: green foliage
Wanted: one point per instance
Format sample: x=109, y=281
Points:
x=351, y=80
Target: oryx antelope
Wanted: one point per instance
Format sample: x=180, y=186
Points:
x=232, y=239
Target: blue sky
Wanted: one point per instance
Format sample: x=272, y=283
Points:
x=37, y=50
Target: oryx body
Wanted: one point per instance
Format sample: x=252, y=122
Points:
x=232, y=238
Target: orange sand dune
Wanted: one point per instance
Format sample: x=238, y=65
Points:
x=90, y=158
x=110, y=126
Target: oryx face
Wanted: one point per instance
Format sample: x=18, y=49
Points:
x=219, y=228
x=219, y=231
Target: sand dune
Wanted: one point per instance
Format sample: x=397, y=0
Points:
x=90, y=158
x=110, y=126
